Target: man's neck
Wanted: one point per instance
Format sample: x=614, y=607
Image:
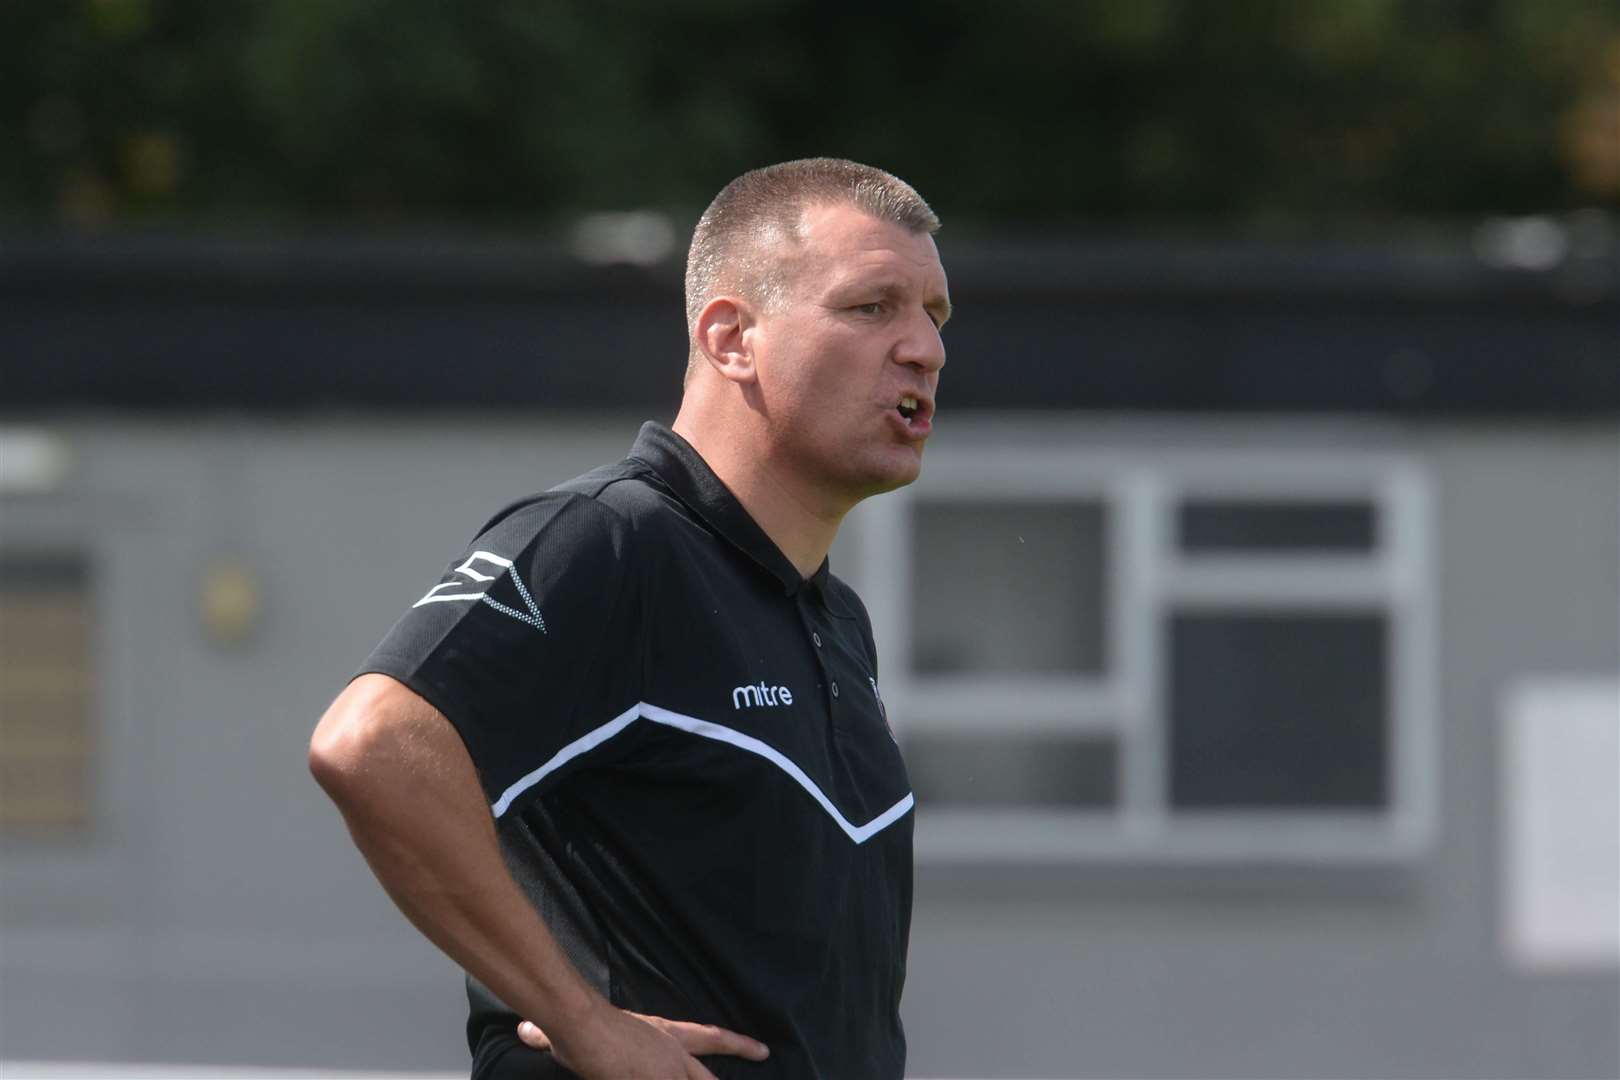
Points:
x=802, y=530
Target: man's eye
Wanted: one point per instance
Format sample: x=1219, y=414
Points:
x=874, y=308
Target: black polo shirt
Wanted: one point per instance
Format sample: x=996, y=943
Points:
x=687, y=754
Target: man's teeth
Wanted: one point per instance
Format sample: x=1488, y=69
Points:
x=908, y=404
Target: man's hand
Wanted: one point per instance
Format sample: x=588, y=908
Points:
x=620, y=1045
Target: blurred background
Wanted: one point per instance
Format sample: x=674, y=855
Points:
x=1278, y=468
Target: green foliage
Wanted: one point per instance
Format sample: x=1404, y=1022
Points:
x=348, y=111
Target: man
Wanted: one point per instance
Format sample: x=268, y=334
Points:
x=627, y=763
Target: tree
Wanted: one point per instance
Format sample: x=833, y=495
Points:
x=361, y=111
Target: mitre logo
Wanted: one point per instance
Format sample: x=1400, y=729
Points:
x=759, y=694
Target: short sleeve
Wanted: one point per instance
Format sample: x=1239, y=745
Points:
x=529, y=643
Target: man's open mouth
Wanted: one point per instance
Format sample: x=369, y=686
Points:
x=908, y=407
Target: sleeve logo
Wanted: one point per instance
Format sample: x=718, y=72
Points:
x=476, y=586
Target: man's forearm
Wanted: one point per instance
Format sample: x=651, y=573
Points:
x=410, y=796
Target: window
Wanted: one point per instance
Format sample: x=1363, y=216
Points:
x=1008, y=588
x=1220, y=656
x=45, y=691
x=1278, y=709
x=961, y=769
x=1263, y=524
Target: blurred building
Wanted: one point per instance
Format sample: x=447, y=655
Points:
x=1253, y=634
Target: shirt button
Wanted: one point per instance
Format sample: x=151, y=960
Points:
x=835, y=689
x=815, y=637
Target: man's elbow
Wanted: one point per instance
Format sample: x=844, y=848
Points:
x=348, y=743
x=335, y=753
x=380, y=748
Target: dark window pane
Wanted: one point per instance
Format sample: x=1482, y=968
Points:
x=45, y=690
x=1008, y=587
x=42, y=571
x=1279, y=710
x=1025, y=770
x=1210, y=525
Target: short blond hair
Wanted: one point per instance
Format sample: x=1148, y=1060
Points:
x=737, y=245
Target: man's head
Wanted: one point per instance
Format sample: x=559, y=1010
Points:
x=814, y=299
x=746, y=241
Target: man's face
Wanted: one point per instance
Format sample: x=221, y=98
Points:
x=848, y=359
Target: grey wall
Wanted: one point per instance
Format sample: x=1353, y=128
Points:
x=215, y=911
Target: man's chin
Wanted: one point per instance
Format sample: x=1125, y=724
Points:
x=895, y=471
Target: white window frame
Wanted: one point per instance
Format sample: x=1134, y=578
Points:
x=1147, y=580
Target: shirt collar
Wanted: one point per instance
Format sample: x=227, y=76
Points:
x=696, y=485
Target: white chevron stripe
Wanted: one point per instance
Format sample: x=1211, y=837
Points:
x=582, y=745
x=708, y=730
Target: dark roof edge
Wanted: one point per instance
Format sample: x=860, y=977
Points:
x=1073, y=263
x=155, y=323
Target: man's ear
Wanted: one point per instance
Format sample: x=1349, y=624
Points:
x=721, y=335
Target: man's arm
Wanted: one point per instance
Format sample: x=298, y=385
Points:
x=408, y=791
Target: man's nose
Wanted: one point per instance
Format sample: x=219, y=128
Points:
x=922, y=345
